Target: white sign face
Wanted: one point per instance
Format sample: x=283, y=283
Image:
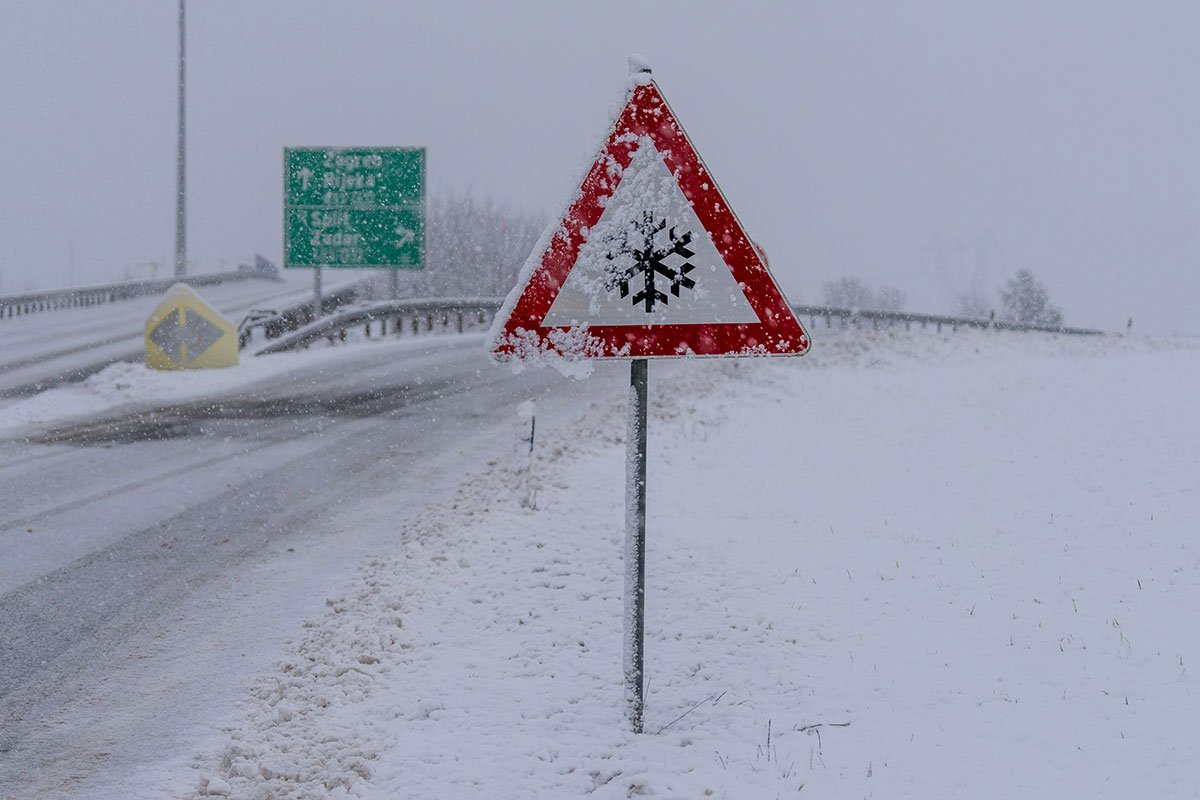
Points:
x=649, y=260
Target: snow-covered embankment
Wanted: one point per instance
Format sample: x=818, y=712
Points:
x=906, y=566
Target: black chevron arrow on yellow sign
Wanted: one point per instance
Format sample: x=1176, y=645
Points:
x=184, y=336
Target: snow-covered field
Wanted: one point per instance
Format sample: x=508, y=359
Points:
x=905, y=566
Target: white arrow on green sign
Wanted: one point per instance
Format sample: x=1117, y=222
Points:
x=354, y=207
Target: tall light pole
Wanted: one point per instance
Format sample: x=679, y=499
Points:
x=181, y=165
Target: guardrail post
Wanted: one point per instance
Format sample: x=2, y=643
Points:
x=460, y=322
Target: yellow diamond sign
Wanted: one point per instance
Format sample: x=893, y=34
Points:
x=185, y=332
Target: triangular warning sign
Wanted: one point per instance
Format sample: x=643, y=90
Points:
x=648, y=260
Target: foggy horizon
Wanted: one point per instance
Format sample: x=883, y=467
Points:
x=935, y=148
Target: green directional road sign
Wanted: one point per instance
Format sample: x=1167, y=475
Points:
x=354, y=207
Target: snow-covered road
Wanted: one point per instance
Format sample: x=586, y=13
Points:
x=39, y=351
x=154, y=557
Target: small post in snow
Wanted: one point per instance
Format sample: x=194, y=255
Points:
x=635, y=544
x=526, y=426
x=316, y=293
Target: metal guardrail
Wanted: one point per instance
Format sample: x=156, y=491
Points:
x=275, y=323
x=852, y=317
x=19, y=305
x=390, y=316
x=416, y=314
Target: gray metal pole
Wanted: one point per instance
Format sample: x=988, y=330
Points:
x=316, y=293
x=635, y=545
x=181, y=163
x=635, y=526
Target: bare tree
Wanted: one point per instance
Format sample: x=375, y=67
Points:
x=473, y=247
x=854, y=293
x=1026, y=300
x=974, y=305
x=889, y=298
x=848, y=292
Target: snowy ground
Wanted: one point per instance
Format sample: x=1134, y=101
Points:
x=163, y=539
x=127, y=385
x=40, y=349
x=910, y=565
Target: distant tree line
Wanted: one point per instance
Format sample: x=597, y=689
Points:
x=854, y=293
x=476, y=247
x=1023, y=299
x=473, y=247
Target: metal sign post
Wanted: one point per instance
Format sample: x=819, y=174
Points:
x=635, y=545
x=181, y=159
x=647, y=261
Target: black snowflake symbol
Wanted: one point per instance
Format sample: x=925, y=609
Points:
x=649, y=262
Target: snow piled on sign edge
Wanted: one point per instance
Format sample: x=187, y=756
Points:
x=183, y=290
x=529, y=350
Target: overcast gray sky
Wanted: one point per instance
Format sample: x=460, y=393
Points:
x=929, y=146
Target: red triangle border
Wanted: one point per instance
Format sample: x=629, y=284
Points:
x=647, y=114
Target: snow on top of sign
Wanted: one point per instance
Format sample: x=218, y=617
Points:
x=182, y=291
x=639, y=71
